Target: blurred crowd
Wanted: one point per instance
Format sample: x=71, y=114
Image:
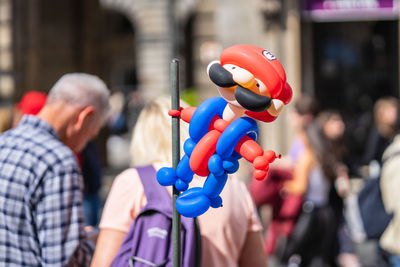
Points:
x=326, y=206
x=319, y=206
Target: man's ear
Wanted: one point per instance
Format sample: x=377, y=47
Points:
x=84, y=116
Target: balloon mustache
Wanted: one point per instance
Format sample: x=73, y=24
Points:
x=245, y=97
x=220, y=76
x=250, y=100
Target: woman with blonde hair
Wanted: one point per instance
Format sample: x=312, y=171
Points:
x=151, y=138
x=230, y=235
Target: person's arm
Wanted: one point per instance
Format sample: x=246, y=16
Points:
x=253, y=251
x=108, y=244
x=59, y=218
x=298, y=185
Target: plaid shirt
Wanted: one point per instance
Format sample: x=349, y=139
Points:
x=41, y=216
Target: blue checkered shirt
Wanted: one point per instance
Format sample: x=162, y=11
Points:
x=41, y=216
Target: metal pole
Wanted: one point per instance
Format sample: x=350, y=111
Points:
x=173, y=28
x=398, y=56
x=176, y=218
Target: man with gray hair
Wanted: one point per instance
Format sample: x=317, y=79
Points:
x=41, y=213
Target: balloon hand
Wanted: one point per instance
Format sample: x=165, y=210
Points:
x=261, y=164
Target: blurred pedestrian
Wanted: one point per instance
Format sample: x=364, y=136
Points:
x=285, y=207
x=305, y=110
x=381, y=133
x=31, y=103
x=230, y=235
x=41, y=192
x=390, y=183
x=91, y=166
x=321, y=176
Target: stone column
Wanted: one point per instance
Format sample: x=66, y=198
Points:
x=239, y=21
x=154, y=42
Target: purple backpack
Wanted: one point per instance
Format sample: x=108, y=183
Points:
x=149, y=240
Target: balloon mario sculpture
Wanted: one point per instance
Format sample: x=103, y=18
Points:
x=251, y=82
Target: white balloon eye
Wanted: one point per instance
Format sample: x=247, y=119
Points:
x=262, y=88
x=241, y=76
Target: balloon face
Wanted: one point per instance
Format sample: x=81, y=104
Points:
x=252, y=81
x=261, y=63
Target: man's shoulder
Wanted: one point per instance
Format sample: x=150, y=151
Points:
x=38, y=144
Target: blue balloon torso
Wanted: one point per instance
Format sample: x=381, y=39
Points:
x=203, y=115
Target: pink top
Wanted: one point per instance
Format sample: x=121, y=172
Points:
x=223, y=230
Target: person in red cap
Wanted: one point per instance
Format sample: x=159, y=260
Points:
x=30, y=104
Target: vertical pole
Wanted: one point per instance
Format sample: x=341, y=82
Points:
x=176, y=218
x=397, y=5
x=173, y=28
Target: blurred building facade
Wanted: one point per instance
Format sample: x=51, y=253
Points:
x=344, y=52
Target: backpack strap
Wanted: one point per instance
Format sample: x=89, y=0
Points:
x=159, y=199
x=157, y=196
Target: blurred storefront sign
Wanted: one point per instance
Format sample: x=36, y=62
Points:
x=350, y=10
